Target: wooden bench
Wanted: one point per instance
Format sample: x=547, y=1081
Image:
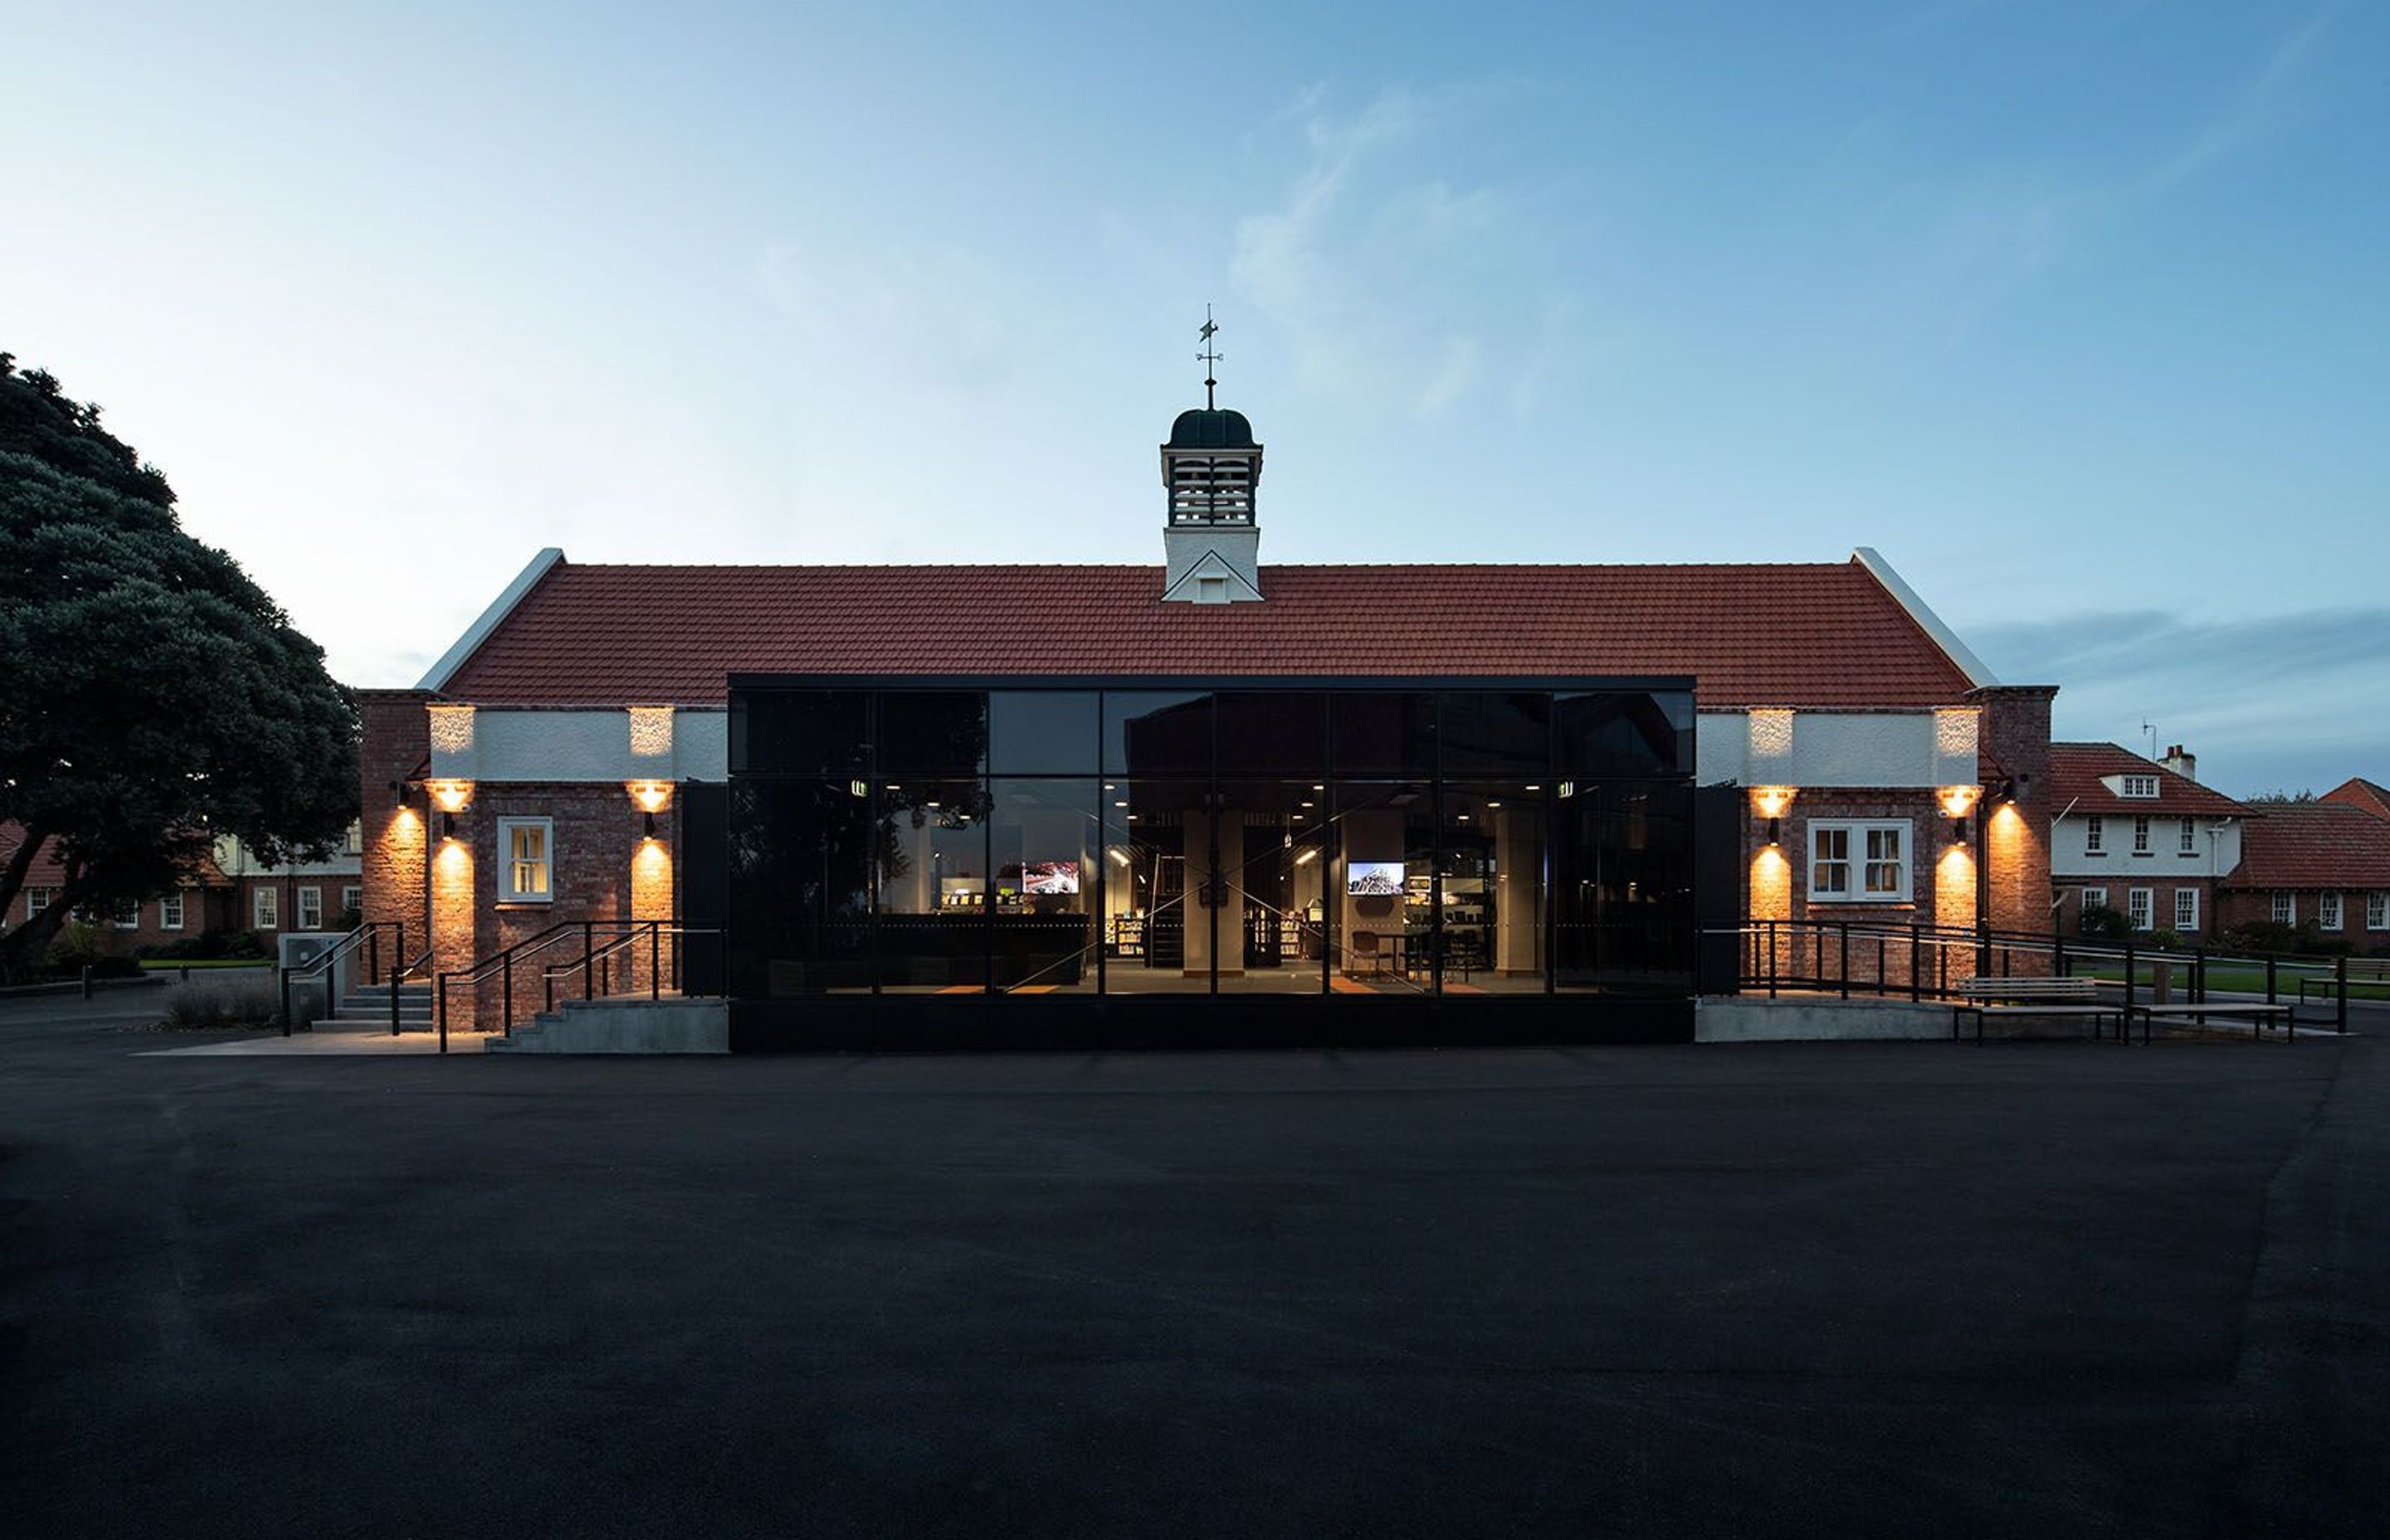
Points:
x=2258, y=1013
x=1980, y=997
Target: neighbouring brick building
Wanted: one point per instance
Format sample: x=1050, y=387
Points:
x=1137, y=789
x=231, y=891
x=2141, y=836
x=2322, y=868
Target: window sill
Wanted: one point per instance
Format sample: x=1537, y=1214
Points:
x=526, y=903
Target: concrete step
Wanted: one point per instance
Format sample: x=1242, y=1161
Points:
x=623, y=1026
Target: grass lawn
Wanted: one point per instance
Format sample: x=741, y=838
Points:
x=2247, y=978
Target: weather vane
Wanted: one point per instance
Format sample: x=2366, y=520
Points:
x=1208, y=358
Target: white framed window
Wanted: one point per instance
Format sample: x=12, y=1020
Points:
x=2095, y=831
x=353, y=901
x=2190, y=845
x=355, y=844
x=265, y=909
x=39, y=899
x=2286, y=909
x=2377, y=911
x=1856, y=861
x=2139, y=786
x=2141, y=835
x=2094, y=898
x=125, y=914
x=2186, y=909
x=2137, y=907
x=2327, y=912
x=170, y=912
x=310, y=908
x=526, y=860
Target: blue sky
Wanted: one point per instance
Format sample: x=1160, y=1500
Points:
x=2074, y=311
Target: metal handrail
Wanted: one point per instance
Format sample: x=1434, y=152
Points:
x=503, y=962
x=651, y=929
x=367, y=935
x=1995, y=953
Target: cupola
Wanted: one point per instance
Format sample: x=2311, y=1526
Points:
x=1210, y=469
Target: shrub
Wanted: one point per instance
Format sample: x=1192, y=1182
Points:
x=2262, y=935
x=2100, y=923
x=224, y=941
x=79, y=945
x=2167, y=940
x=204, y=1008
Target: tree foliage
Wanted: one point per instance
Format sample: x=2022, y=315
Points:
x=154, y=696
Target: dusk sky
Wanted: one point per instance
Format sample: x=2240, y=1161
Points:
x=2076, y=312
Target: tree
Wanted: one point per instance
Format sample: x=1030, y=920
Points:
x=153, y=697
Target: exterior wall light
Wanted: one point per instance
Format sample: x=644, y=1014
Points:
x=650, y=798
x=1957, y=802
x=451, y=797
x=1772, y=803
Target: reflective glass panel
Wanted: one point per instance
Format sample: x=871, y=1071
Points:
x=1382, y=732
x=1157, y=848
x=1042, y=732
x=1157, y=732
x=1622, y=865
x=800, y=888
x=923, y=731
x=1495, y=733
x=933, y=860
x=800, y=733
x=1272, y=840
x=1382, y=890
x=1491, y=858
x=1623, y=733
x=1280, y=731
x=1045, y=839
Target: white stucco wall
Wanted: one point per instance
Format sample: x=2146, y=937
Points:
x=1838, y=748
x=503, y=744
x=2071, y=863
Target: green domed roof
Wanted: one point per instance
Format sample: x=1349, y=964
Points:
x=1211, y=428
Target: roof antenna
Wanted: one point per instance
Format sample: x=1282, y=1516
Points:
x=1208, y=358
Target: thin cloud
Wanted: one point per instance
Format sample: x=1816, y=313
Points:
x=2260, y=693
x=1381, y=270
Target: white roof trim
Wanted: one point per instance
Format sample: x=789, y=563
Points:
x=1210, y=564
x=500, y=608
x=1944, y=638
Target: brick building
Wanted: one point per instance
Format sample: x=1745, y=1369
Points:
x=2141, y=836
x=2322, y=868
x=1139, y=789
x=231, y=891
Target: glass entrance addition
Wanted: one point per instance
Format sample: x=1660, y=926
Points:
x=1190, y=842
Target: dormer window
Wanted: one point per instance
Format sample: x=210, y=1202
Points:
x=2139, y=786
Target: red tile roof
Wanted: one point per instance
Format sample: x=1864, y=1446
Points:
x=1820, y=635
x=2075, y=769
x=2328, y=845
x=2357, y=791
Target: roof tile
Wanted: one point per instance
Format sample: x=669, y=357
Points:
x=1821, y=635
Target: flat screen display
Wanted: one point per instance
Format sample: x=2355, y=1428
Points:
x=1374, y=878
x=1050, y=876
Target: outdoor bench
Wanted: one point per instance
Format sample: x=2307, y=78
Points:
x=2258, y=1013
x=1980, y=997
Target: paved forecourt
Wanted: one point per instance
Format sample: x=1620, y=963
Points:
x=1832, y=1290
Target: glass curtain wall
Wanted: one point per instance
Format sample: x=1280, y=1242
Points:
x=1360, y=842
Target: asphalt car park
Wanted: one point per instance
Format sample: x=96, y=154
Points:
x=1840, y=1289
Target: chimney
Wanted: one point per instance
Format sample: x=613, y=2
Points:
x=2181, y=763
